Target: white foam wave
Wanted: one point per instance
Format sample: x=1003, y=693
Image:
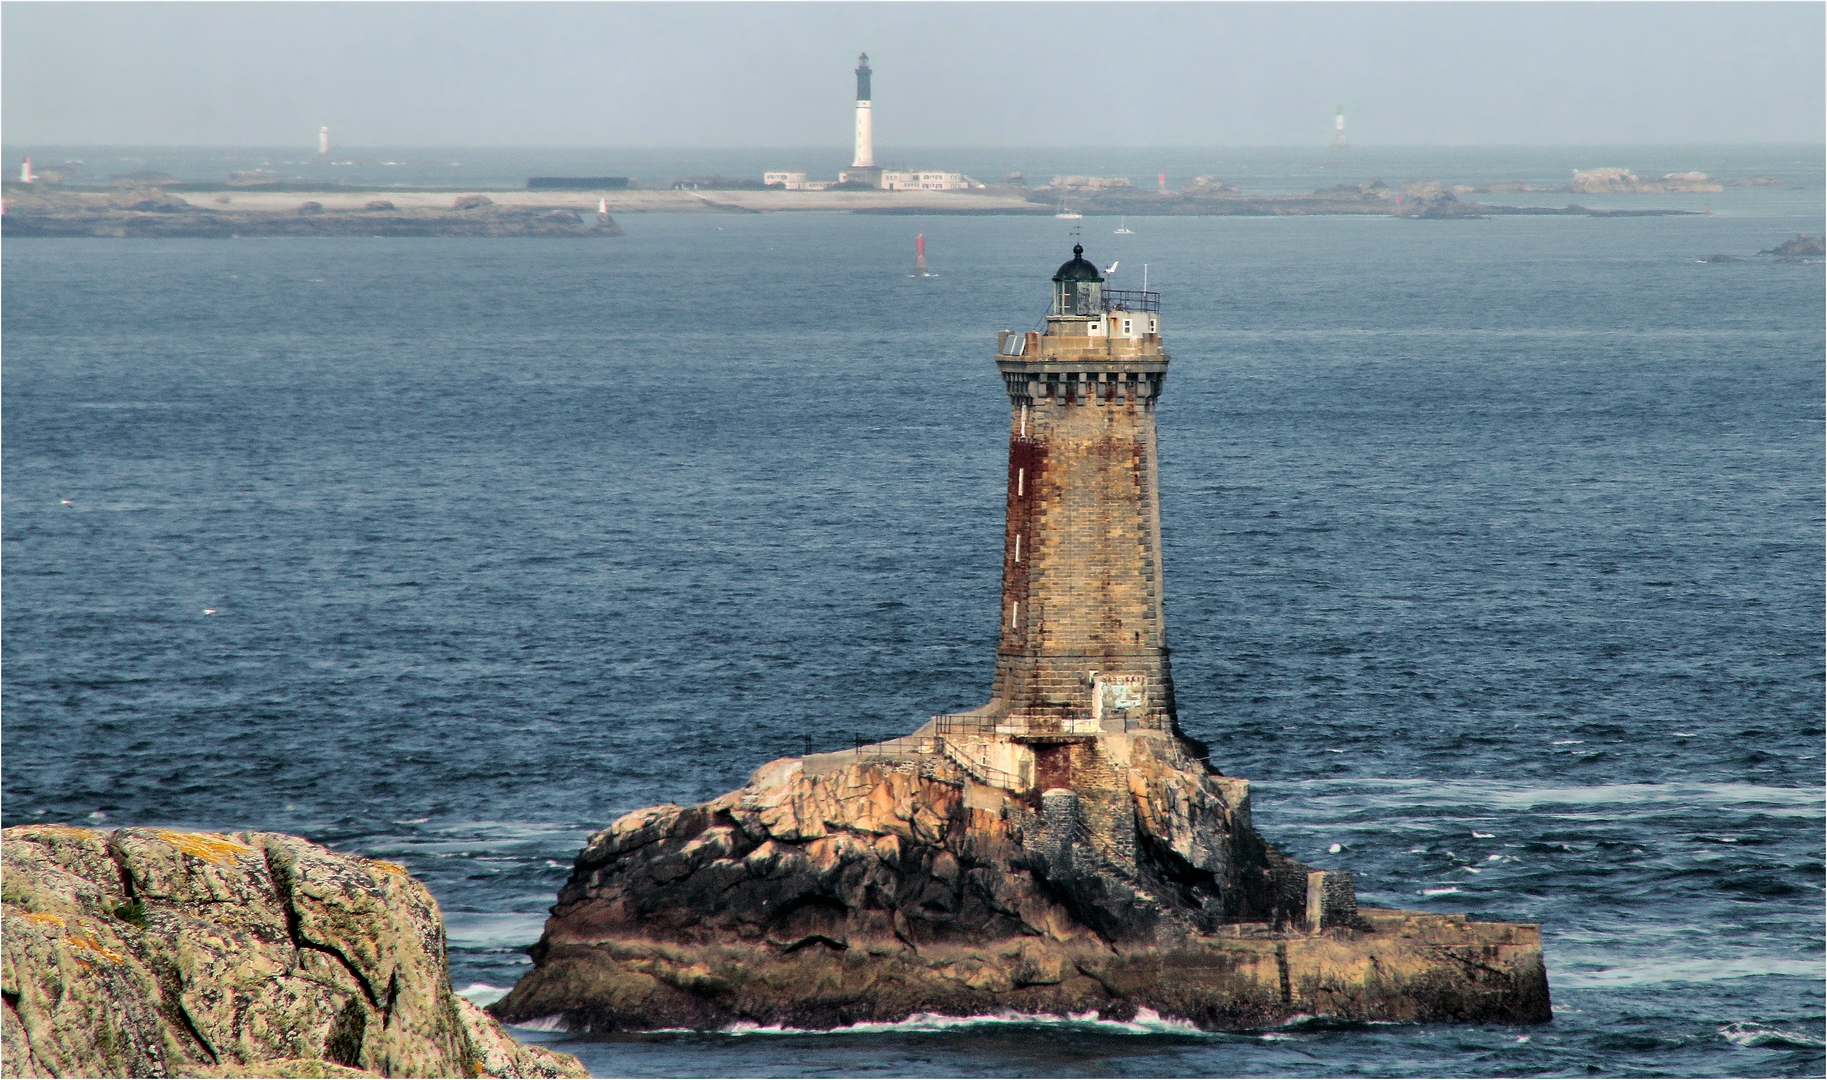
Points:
x=1146, y=1022
x=554, y=1022
x=1700, y=970
x=482, y=993
x=1745, y=1033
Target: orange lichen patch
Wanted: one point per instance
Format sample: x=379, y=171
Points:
x=57, y=832
x=40, y=917
x=210, y=847
x=97, y=948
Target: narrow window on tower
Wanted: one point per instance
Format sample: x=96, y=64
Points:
x=1017, y=547
x=1021, y=482
x=1014, y=614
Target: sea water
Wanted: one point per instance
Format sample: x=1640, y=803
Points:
x=1493, y=553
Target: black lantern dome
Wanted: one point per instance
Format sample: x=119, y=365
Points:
x=1077, y=268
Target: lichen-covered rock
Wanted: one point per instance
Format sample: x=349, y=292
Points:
x=876, y=885
x=147, y=952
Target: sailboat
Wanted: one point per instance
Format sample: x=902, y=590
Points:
x=1123, y=228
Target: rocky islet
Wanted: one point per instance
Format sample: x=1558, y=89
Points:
x=1062, y=849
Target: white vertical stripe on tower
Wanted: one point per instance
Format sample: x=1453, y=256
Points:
x=865, y=138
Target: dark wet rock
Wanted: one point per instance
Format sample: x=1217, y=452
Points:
x=311, y=207
x=1723, y=259
x=378, y=204
x=472, y=202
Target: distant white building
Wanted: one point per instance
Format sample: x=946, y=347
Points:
x=913, y=180
x=908, y=179
x=794, y=181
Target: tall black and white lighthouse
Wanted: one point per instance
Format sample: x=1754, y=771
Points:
x=865, y=125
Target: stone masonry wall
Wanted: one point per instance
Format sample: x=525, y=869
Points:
x=1082, y=554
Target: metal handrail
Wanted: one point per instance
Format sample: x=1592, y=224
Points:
x=1131, y=300
x=963, y=724
x=909, y=746
x=982, y=770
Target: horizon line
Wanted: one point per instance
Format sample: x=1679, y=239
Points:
x=304, y=147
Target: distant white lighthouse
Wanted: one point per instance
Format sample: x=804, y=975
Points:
x=865, y=122
x=1338, y=130
x=323, y=142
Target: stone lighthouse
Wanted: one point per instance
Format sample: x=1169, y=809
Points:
x=1083, y=645
x=1082, y=677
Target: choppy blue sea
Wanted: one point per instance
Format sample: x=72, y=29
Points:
x=1494, y=555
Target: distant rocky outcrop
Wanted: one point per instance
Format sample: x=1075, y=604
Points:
x=146, y=952
x=1802, y=247
x=147, y=200
x=1614, y=181
x=1209, y=185
x=472, y=202
x=1091, y=183
x=893, y=880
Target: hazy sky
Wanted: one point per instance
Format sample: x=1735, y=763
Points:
x=947, y=74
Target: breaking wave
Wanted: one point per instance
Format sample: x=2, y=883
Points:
x=482, y=993
x=1146, y=1022
x=1745, y=1033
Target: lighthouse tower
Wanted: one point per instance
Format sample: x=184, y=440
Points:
x=865, y=124
x=1083, y=647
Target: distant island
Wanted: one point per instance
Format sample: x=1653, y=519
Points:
x=158, y=212
x=154, y=204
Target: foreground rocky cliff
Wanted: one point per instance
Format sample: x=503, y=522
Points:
x=873, y=885
x=145, y=952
